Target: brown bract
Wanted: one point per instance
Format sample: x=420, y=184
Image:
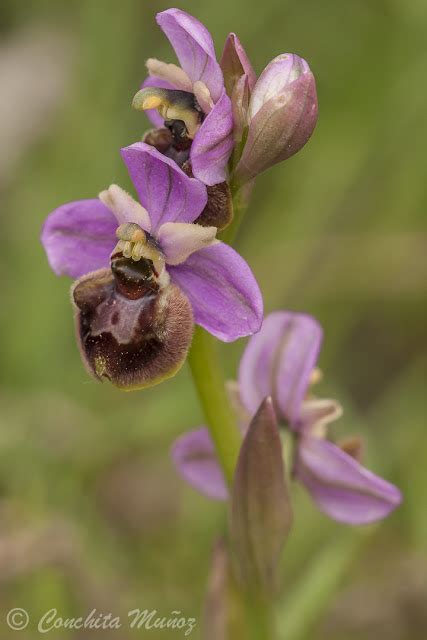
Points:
x=219, y=208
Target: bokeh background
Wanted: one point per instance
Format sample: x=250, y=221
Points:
x=92, y=514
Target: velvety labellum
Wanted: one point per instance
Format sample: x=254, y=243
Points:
x=131, y=330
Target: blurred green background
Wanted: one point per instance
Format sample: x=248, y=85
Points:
x=92, y=514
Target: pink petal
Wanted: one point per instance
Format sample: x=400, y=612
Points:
x=223, y=291
x=167, y=193
x=213, y=143
x=341, y=487
x=278, y=361
x=194, y=48
x=79, y=237
x=193, y=454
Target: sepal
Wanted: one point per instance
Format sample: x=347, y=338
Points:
x=261, y=514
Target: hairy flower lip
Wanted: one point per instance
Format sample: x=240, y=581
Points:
x=134, y=341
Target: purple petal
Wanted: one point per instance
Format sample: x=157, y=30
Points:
x=223, y=291
x=79, y=237
x=278, y=361
x=341, y=487
x=153, y=114
x=213, y=143
x=193, y=454
x=235, y=63
x=163, y=188
x=194, y=48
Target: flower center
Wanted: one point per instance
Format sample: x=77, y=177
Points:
x=135, y=243
x=172, y=104
x=133, y=280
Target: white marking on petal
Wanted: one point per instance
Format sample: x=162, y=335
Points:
x=203, y=96
x=179, y=240
x=169, y=72
x=124, y=207
x=317, y=413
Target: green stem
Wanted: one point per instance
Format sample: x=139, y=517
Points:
x=240, y=195
x=206, y=368
x=260, y=619
x=311, y=596
x=209, y=382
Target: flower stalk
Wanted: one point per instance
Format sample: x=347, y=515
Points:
x=209, y=382
x=240, y=198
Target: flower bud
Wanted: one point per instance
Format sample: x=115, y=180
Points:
x=282, y=115
x=261, y=513
x=235, y=64
x=240, y=103
x=239, y=79
x=131, y=330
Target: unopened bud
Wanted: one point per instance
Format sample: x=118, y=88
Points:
x=261, y=513
x=239, y=79
x=282, y=115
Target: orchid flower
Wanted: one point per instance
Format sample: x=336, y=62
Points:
x=280, y=362
x=190, y=98
x=125, y=254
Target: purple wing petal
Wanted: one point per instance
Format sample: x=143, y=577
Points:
x=194, y=48
x=302, y=338
x=341, y=487
x=153, y=115
x=193, y=454
x=213, y=143
x=163, y=188
x=79, y=237
x=278, y=361
x=223, y=291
